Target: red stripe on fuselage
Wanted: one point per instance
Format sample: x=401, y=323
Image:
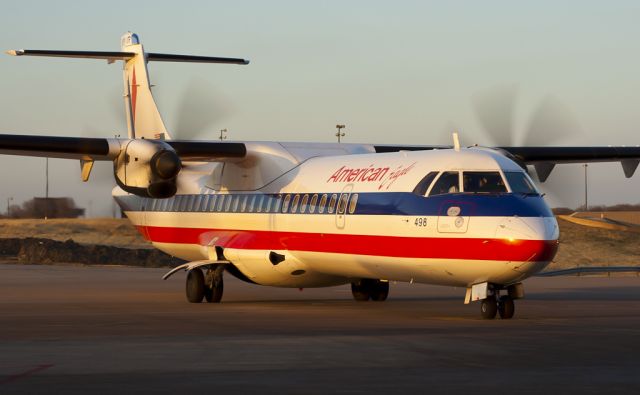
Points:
x=389, y=246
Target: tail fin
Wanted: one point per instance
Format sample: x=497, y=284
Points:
x=143, y=117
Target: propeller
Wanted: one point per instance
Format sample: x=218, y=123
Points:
x=550, y=123
x=200, y=107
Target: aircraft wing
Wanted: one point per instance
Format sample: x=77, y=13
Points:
x=86, y=148
x=544, y=159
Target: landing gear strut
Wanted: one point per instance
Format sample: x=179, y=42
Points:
x=365, y=289
x=209, y=287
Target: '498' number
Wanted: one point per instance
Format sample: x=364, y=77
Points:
x=420, y=221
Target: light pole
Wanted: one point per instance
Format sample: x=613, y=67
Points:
x=223, y=134
x=339, y=135
x=586, y=201
x=46, y=189
x=9, y=199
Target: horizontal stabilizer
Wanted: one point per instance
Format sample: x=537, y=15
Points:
x=162, y=57
x=113, y=56
x=73, y=54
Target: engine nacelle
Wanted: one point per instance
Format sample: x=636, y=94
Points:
x=147, y=168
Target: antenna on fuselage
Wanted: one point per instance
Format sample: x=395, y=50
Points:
x=456, y=142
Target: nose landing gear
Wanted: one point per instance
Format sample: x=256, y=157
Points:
x=492, y=303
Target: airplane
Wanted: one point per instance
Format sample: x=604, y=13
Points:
x=299, y=215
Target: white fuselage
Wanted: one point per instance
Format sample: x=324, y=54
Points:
x=371, y=223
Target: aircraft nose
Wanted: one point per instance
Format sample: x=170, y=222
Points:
x=538, y=228
x=531, y=239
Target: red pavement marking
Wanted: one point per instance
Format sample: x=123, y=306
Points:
x=24, y=374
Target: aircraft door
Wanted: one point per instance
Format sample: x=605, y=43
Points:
x=342, y=208
x=453, y=217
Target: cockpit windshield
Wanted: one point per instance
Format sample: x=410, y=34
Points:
x=483, y=182
x=520, y=182
x=447, y=183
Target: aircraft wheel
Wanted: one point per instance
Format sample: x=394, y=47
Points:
x=506, y=307
x=380, y=291
x=489, y=308
x=195, y=286
x=214, y=285
x=361, y=290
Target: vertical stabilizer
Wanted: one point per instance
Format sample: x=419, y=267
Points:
x=143, y=118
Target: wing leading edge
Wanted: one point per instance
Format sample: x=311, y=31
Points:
x=86, y=148
x=544, y=159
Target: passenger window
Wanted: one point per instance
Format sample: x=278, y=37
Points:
x=277, y=203
x=520, y=182
x=252, y=203
x=236, y=203
x=212, y=203
x=323, y=201
x=184, y=200
x=342, y=203
x=312, y=205
x=303, y=204
x=483, y=182
x=204, y=201
x=332, y=203
x=294, y=204
x=285, y=203
x=267, y=204
x=424, y=184
x=259, y=205
x=448, y=182
x=220, y=203
x=243, y=206
x=227, y=205
x=353, y=203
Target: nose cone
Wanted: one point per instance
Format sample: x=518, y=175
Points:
x=533, y=242
x=536, y=228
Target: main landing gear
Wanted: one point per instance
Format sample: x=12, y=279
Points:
x=365, y=289
x=209, y=286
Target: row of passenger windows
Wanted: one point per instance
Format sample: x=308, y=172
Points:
x=473, y=182
x=289, y=203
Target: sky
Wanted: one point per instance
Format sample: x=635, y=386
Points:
x=402, y=72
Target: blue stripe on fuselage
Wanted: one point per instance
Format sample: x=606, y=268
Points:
x=369, y=203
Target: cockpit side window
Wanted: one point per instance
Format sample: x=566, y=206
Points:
x=520, y=182
x=423, y=186
x=483, y=182
x=448, y=182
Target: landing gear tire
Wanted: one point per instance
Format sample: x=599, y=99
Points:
x=489, y=308
x=214, y=285
x=195, y=285
x=366, y=289
x=506, y=307
x=380, y=291
x=360, y=291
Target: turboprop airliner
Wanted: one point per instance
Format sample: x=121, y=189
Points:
x=316, y=214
